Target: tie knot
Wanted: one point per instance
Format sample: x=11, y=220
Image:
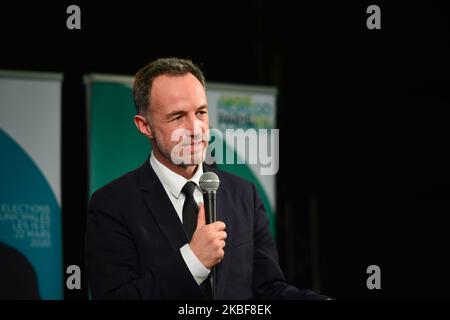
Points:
x=188, y=189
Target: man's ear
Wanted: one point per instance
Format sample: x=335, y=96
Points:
x=143, y=126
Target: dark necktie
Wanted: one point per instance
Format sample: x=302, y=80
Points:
x=190, y=210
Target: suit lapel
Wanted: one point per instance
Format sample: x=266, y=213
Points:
x=161, y=207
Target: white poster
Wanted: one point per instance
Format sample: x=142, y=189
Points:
x=245, y=119
x=30, y=171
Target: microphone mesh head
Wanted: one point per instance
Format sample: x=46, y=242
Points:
x=209, y=181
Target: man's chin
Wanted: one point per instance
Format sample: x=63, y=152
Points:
x=186, y=162
x=187, y=156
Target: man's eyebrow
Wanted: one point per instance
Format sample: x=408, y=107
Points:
x=175, y=113
x=179, y=112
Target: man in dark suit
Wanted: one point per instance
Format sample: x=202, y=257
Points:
x=146, y=235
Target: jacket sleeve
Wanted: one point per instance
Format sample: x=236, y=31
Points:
x=112, y=261
x=269, y=281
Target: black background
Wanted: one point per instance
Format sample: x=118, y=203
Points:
x=362, y=117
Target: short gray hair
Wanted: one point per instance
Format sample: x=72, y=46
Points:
x=171, y=66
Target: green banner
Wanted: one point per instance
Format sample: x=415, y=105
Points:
x=116, y=146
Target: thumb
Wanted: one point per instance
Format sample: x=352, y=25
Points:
x=201, y=219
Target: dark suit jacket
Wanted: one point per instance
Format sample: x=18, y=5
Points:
x=134, y=236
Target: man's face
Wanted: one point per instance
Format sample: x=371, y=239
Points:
x=179, y=118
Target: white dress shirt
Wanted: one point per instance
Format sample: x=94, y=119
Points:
x=173, y=183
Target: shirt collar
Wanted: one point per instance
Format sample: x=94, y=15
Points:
x=171, y=180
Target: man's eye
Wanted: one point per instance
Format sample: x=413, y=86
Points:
x=176, y=118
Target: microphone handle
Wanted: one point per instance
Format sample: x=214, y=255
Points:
x=209, y=198
x=213, y=283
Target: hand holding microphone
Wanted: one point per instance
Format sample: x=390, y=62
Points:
x=209, y=237
x=208, y=240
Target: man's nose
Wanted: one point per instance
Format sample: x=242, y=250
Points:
x=193, y=126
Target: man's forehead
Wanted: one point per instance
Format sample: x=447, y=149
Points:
x=184, y=82
x=177, y=90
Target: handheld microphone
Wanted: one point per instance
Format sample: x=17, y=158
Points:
x=209, y=183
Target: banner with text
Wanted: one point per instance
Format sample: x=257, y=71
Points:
x=30, y=171
x=243, y=119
